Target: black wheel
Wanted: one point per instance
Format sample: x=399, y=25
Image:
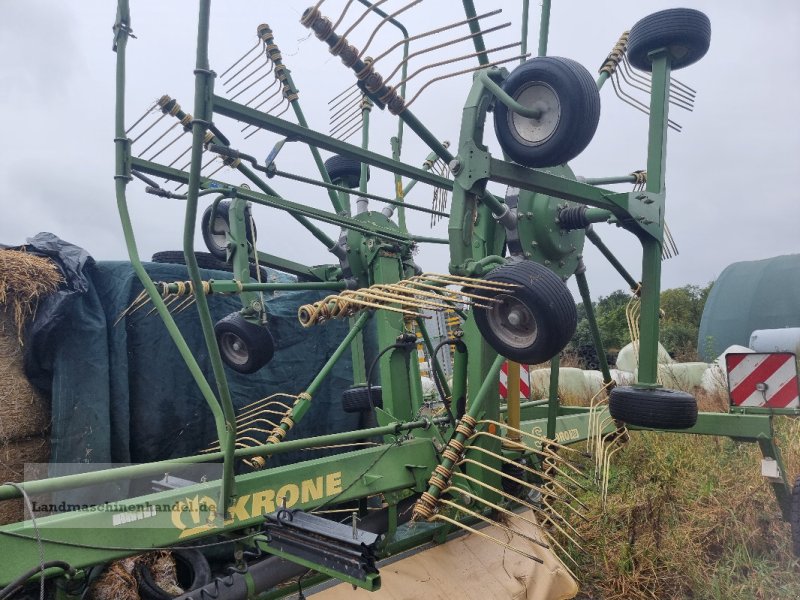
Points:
x=655, y=408
x=685, y=32
x=530, y=323
x=356, y=399
x=796, y=517
x=344, y=169
x=569, y=100
x=192, y=570
x=205, y=260
x=245, y=346
x=214, y=233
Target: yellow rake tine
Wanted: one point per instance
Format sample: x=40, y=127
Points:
x=269, y=400
x=532, y=471
x=453, y=293
x=538, y=453
x=542, y=490
x=534, y=508
x=470, y=280
x=502, y=510
x=441, y=517
x=485, y=519
x=475, y=286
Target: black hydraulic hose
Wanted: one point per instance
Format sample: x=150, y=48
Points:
x=436, y=368
x=404, y=344
x=269, y=572
x=16, y=585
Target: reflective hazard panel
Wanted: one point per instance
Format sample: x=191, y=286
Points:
x=524, y=381
x=763, y=380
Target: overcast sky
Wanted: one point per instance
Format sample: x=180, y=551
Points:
x=731, y=173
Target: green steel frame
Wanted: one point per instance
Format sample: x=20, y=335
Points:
x=477, y=229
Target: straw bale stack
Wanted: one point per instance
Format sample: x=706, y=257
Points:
x=24, y=412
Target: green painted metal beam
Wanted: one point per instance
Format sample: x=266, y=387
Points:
x=250, y=116
x=159, y=520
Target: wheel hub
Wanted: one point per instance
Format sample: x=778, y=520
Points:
x=535, y=131
x=513, y=322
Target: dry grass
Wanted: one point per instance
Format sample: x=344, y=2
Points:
x=691, y=517
x=24, y=280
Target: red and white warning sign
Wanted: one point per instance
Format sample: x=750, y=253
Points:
x=524, y=381
x=764, y=380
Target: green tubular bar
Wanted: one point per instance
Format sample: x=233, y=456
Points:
x=253, y=117
x=203, y=113
x=586, y=298
x=121, y=177
x=544, y=27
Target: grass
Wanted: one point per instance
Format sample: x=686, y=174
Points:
x=691, y=517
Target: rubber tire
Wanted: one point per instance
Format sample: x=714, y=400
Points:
x=257, y=340
x=547, y=298
x=223, y=209
x=684, y=31
x=795, y=516
x=345, y=169
x=192, y=568
x=654, y=408
x=205, y=260
x=580, y=111
x=356, y=399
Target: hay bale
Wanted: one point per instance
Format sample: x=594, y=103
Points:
x=13, y=458
x=24, y=411
x=25, y=279
x=117, y=582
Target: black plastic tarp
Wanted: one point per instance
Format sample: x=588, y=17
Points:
x=121, y=393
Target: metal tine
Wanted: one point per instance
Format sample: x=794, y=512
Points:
x=533, y=507
x=486, y=519
x=142, y=299
x=184, y=167
x=353, y=89
x=465, y=71
x=532, y=471
x=184, y=305
x=254, y=83
x=455, y=294
x=169, y=144
x=264, y=91
x=687, y=94
x=267, y=63
x=542, y=491
x=387, y=296
x=269, y=400
x=359, y=19
x=153, y=124
x=447, y=62
x=348, y=134
x=676, y=95
x=631, y=101
x=159, y=138
x=341, y=15
x=497, y=286
x=498, y=508
x=434, y=32
x=682, y=87
x=235, y=75
x=676, y=100
x=441, y=517
x=538, y=453
x=268, y=110
x=245, y=55
x=347, y=123
x=254, y=429
x=258, y=418
x=142, y=118
x=607, y=474
x=444, y=45
x=383, y=22
x=548, y=516
x=180, y=156
x=258, y=410
x=347, y=109
x=409, y=289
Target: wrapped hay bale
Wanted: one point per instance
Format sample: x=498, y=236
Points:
x=24, y=412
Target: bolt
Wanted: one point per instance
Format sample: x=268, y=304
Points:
x=641, y=196
x=528, y=255
x=561, y=263
x=547, y=263
x=455, y=166
x=534, y=243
